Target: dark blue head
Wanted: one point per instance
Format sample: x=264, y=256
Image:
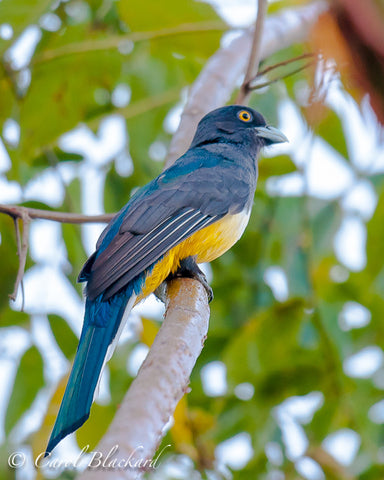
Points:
x=236, y=124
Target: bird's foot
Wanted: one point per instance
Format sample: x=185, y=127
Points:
x=188, y=268
x=161, y=292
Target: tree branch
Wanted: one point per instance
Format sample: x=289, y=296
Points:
x=254, y=56
x=26, y=214
x=163, y=378
x=16, y=211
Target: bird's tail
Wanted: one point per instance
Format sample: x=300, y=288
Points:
x=102, y=327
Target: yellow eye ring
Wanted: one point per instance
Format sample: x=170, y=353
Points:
x=244, y=116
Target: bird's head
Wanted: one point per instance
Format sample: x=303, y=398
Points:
x=236, y=124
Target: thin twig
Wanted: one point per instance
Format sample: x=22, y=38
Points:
x=22, y=250
x=23, y=259
x=256, y=86
x=12, y=296
x=26, y=214
x=16, y=211
x=282, y=64
x=254, y=56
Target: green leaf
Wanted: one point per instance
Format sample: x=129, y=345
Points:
x=331, y=130
x=243, y=350
x=375, y=239
x=29, y=380
x=67, y=100
x=9, y=317
x=289, y=236
x=7, y=473
x=72, y=234
x=9, y=259
x=266, y=103
x=64, y=336
x=91, y=432
x=170, y=13
x=119, y=377
x=326, y=218
x=20, y=14
x=7, y=97
x=54, y=156
x=76, y=253
x=280, y=165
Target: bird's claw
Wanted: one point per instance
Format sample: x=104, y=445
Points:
x=189, y=269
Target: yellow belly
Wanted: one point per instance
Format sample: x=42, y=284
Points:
x=206, y=245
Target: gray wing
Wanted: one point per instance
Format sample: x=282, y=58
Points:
x=163, y=215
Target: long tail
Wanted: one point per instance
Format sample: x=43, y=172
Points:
x=102, y=327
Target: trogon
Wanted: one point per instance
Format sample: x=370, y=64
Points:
x=191, y=213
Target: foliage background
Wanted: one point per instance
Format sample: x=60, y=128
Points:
x=296, y=324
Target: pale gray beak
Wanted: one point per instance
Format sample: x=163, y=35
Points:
x=271, y=134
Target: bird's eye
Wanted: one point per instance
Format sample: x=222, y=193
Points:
x=244, y=116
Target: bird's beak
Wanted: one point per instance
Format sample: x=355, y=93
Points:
x=272, y=134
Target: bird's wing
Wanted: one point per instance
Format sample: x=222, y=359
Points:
x=178, y=203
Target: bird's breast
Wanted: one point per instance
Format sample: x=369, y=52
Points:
x=205, y=244
x=212, y=241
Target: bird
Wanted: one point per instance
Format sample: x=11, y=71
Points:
x=191, y=213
